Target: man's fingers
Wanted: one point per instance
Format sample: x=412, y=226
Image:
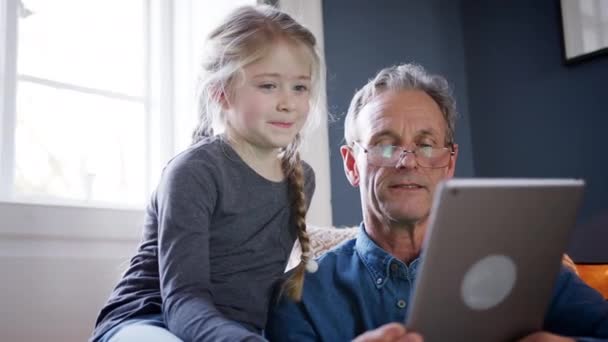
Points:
x=545, y=337
x=388, y=332
x=414, y=337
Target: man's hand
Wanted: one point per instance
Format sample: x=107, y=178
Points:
x=391, y=332
x=545, y=337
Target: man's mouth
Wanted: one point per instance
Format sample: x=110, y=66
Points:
x=406, y=186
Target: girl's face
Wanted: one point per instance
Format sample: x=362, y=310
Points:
x=268, y=104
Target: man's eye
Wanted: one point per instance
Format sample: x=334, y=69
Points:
x=425, y=150
x=387, y=150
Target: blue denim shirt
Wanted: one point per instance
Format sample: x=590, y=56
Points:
x=360, y=287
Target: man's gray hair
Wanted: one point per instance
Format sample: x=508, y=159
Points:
x=403, y=77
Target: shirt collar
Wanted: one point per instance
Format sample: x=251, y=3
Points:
x=377, y=260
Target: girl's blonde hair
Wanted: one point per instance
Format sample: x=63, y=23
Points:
x=244, y=37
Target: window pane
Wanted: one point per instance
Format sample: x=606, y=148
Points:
x=94, y=44
x=78, y=146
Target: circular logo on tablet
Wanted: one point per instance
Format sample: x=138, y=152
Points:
x=488, y=282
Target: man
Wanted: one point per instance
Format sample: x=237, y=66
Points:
x=399, y=132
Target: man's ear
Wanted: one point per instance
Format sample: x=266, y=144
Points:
x=350, y=165
x=452, y=164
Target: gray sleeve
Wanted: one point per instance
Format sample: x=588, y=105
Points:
x=185, y=201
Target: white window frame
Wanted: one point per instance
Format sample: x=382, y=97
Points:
x=8, y=81
x=158, y=109
x=79, y=219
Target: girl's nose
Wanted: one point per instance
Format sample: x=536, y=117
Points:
x=286, y=102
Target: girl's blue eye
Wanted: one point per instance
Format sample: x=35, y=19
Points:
x=301, y=88
x=267, y=86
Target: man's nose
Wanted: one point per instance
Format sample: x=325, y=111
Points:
x=407, y=159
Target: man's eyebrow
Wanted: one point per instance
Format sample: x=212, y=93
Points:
x=432, y=134
x=385, y=134
x=426, y=133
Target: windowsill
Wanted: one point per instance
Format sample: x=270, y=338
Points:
x=55, y=202
x=68, y=222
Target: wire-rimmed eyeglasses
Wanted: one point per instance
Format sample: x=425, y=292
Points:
x=426, y=156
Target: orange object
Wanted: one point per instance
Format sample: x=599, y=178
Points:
x=595, y=275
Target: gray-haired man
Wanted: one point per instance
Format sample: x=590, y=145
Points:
x=399, y=132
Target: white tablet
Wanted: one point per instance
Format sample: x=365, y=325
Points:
x=491, y=256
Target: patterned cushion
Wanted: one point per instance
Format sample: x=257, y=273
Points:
x=323, y=239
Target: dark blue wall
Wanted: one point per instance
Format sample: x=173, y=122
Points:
x=362, y=37
x=533, y=116
x=528, y=113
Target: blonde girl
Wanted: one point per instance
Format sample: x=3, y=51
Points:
x=221, y=225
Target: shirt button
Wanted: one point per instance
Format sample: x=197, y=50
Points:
x=394, y=267
x=401, y=304
x=379, y=281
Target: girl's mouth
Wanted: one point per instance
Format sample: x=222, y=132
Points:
x=281, y=124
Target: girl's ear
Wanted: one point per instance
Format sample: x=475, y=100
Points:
x=219, y=95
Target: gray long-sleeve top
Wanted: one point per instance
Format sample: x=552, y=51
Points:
x=215, y=244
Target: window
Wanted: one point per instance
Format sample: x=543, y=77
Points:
x=98, y=94
x=80, y=101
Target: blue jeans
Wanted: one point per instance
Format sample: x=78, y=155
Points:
x=150, y=328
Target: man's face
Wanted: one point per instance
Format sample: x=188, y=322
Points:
x=402, y=193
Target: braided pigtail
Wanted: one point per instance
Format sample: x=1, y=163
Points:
x=292, y=168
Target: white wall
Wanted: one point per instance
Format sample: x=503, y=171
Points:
x=315, y=149
x=58, y=266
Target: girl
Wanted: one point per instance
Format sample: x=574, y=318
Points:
x=221, y=225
